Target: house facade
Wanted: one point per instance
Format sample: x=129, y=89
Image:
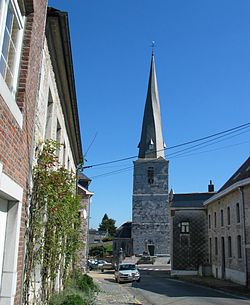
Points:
x=228, y=220
x=37, y=102
x=84, y=212
x=57, y=119
x=189, y=250
x=122, y=240
x=22, y=34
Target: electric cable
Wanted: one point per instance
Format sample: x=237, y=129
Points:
x=231, y=130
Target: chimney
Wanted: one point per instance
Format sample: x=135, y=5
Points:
x=210, y=187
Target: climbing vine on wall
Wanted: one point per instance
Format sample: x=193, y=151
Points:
x=52, y=226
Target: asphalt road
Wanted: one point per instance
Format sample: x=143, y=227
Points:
x=157, y=288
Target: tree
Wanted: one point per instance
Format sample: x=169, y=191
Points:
x=107, y=225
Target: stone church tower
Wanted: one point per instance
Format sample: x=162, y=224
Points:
x=150, y=207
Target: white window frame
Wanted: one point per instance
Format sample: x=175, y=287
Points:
x=13, y=193
x=185, y=227
x=7, y=94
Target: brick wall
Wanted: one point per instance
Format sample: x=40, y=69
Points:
x=16, y=142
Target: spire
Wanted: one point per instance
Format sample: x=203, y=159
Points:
x=151, y=144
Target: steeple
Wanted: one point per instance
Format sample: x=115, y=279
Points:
x=151, y=143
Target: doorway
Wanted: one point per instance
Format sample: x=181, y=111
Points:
x=3, y=221
x=151, y=249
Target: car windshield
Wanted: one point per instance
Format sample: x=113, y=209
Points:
x=127, y=267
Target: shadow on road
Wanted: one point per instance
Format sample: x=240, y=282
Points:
x=159, y=283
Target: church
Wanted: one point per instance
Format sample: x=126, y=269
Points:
x=150, y=208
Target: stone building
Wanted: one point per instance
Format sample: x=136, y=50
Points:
x=122, y=240
x=57, y=114
x=188, y=219
x=150, y=209
x=85, y=195
x=228, y=219
x=22, y=33
x=57, y=117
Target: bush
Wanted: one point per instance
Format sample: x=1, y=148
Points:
x=84, y=283
x=80, y=290
x=73, y=299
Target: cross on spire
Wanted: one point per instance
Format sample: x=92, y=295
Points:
x=153, y=46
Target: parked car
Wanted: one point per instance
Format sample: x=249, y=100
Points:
x=126, y=272
x=104, y=265
x=146, y=260
x=93, y=264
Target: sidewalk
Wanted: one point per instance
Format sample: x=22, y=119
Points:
x=111, y=292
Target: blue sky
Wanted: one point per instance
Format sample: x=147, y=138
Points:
x=202, y=59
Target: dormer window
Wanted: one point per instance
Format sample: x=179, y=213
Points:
x=150, y=175
x=151, y=145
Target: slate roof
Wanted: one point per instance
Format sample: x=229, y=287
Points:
x=124, y=231
x=151, y=143
x=242, y=173
x=83, y=180
x=190, y=200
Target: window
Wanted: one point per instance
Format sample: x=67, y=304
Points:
x=216, y=245
x=228, y=216
x=58, y=138
x=221, y=218
x=210, y=250
x=215, y=220
x=239, y=246
x=150, y=175
x=185, y=227
x=237, y=212
x=12, y=24
x=64, y=154
x=209, y=221
x=229, y=246
x=48, y=127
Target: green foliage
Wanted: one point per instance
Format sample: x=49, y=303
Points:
x=107, y=239
x=101, y=251
x=109, y=248
x=73, y=299
x=97, y=251
x=107, y=225
x=84, y=282
x=80, y=290
x=53, y=226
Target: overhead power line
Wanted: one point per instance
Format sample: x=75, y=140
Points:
x=222, y=133
x=186, y=154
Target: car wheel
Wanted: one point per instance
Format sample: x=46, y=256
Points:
x=138, y=281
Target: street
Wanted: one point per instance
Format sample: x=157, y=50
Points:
x=156, y=288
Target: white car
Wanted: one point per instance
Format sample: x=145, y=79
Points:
x=127, y=272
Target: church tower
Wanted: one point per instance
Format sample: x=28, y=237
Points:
x=150, y=208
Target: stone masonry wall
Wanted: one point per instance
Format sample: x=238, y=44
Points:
x=150, y=210
x=234, y=266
